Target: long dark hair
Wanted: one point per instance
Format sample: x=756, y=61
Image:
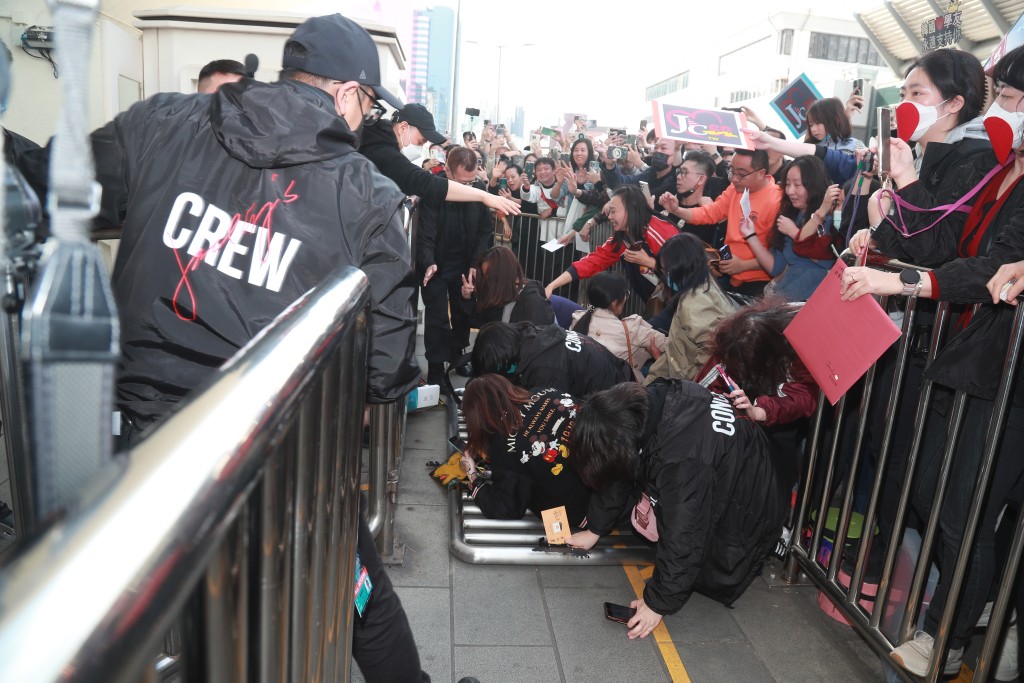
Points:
x=830, y=113
x=752, y=347
x=684, y=264
x=497, y=347
x=638, y=215
x=501, y=282
x=814, y=177
x=955, y=72
x=606, y=439
x=603, y=290
x=590, y=152
x=491, y=406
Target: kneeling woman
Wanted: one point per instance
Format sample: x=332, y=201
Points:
x=522, y=437
x=718, y=494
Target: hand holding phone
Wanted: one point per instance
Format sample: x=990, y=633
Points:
x=618, y=613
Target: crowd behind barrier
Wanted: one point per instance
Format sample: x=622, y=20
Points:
x=857, y=528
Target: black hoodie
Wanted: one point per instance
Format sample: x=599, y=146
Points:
x=259, y=187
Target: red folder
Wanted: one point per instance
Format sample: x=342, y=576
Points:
x=839, y=340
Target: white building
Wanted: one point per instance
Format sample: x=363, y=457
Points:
x=751, y=66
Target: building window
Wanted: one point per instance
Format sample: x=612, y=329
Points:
x=786, y=41
x=837, y=48
x=674, y=84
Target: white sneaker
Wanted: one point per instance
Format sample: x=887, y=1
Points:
x=1007, y=669
x=915, y=655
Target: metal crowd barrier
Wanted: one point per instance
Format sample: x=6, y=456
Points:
x=896, y=610
x=544, y=266
x=475, y=539
x=237, y=517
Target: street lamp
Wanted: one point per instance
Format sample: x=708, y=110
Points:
x=501, y=48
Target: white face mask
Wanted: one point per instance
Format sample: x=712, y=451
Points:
x=1014, y=118
x=928, y=116
x=402, y=141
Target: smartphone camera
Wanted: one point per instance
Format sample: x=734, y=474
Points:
x=502, y=183
x=500, y=129
x=617, y=153
x=725, y=252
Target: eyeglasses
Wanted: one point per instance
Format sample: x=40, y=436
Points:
x=683, y=173
x=376, y=110
x=741, y=176
x=451, y=176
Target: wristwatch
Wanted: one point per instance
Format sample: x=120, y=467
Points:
x=911, y=280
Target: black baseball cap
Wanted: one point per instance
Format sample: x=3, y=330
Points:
x=340, y=49
x=418, y=116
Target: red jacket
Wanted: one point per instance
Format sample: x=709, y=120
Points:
x=795, y=399
x=605, y=256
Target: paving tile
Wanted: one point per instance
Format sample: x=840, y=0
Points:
x=704, y=620
x=595, y=649
x=424, y=531
x=507, y=664
x=429, y=612
x=416, y=486
x=498, y=605
x=775, y=620
x=585, y=576
x=728, y=661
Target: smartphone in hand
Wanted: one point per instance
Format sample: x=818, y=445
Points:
x=618, y=613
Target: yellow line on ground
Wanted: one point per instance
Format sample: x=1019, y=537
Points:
x=669, y=653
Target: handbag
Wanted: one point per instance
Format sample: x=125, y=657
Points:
x=644, y=519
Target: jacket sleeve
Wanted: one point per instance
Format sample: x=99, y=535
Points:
x=428, y=220
x=413, y=180
x=684, y=525
x=484, y=221
x=391, y=358
x=939, y=244
x=840, y=165
x=800, y=399
x=607, y=507
x=964, y=280
x=597, y=261
x=715, y=212
x=506, y=495
x=594, y=197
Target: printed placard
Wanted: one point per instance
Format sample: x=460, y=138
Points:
x=703, y=126
x=556, y=525
x=793, y=102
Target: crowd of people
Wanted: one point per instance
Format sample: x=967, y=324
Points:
x=691, y=413
x=719, y=282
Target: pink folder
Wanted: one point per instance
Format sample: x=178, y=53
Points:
x=839, y=340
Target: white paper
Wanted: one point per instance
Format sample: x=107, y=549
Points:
x=552, y=245
x=745, y=204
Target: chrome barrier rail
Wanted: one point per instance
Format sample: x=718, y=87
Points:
x=387, y=433
x=476, y=539
x=902, y=586
x=544, y=266
x=244, y=501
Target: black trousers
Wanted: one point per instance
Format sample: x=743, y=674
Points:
x=1007, y=471
x=382, y=641
x=444, y=337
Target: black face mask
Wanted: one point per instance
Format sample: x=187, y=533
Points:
x=687, y=194
x=659, y=161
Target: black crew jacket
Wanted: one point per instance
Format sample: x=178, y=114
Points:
x=720, y=495
x=551, y=356
x=260, y=188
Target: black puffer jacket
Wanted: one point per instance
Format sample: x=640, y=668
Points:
x=721, y=495
x=260, y=189
x=444, y=227
x=574, y=363
x=531, y=306
x=948, y=172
